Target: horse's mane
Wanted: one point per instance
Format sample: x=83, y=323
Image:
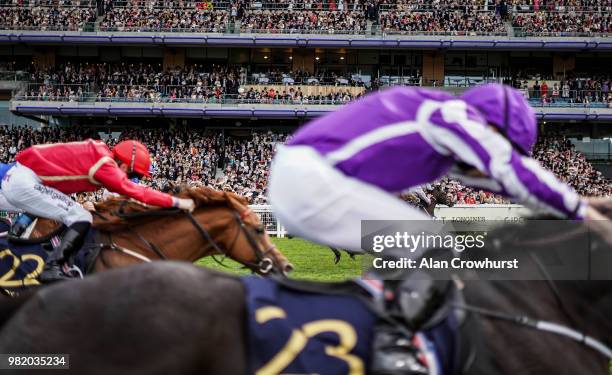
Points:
x=110, y=212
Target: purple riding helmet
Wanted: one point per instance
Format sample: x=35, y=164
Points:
x=507, y=110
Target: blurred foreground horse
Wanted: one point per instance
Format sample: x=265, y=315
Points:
x=220, y=324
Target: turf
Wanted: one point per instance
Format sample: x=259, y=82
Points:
x=311, y=261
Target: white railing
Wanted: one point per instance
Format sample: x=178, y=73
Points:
x=273, y=226
x=483, y=212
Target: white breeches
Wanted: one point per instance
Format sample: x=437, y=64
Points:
x=5, y=205
x=315, y=201
x=24, y=190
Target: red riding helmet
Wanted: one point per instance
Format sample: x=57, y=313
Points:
x=135, y=155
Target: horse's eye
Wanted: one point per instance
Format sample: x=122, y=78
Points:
x=260, y=230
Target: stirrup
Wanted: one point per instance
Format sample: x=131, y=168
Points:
x=72, y=270
x=23, y=234
x=398, y=356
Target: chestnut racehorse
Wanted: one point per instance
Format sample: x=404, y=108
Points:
x=222, y=224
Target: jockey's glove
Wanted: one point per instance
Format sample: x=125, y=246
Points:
x=184, y=204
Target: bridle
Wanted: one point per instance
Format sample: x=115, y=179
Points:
x=263, y=263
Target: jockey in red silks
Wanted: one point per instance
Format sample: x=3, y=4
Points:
x=44, y=174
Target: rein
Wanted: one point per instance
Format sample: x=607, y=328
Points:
x=544, y=326
x=263, y=263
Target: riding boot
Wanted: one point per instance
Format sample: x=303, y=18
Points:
x=71, y=243
x=53, y=269
x=20, y=225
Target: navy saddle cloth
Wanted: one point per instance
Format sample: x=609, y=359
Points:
x=20, y=264
x=296, y=332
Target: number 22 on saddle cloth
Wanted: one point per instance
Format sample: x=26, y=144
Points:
x=20, y=265
x=306, y=333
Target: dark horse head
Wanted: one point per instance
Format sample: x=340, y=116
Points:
x=137, y=313
x=578, y=297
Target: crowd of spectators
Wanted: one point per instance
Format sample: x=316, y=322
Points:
x=54, y=92
x=556, y=154
x=294, y=96
x=559, y=155
x=303, y=77
x=164, y=19
x=428, y=5
x=562, y=5
x=304, y=21
x=578, y=90
x=46, y=17
x=136, y=81
x=179, y=155
x=564, y=23
x=240, y=163
x=461, y=194
x=201, y=83
x=441, y=21
x=195, y=82
x=529, y=17
x=247, y=164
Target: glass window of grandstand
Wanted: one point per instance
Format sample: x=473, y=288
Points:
x=534, y=74
x=399, y=69
x=15, y=62
x=299, y=66
x=532, y=65
x=589, y=65
x=464, y=69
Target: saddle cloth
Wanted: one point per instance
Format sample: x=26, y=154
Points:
x=297, y=332
x=20, y=264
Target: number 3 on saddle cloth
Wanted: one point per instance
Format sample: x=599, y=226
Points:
x=297, y=332
x=20, y=264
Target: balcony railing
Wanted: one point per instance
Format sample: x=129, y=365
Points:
x=523, y=32
x=12, y=76
x=87, y=26
x=224, y=28
x=229, y=27
x=112, y=93
x=351, y=6
x=223, y=99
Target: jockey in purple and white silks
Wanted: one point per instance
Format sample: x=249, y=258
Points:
x=350, y=165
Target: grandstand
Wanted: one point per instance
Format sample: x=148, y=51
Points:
x=215, y=90
x=213, y=86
